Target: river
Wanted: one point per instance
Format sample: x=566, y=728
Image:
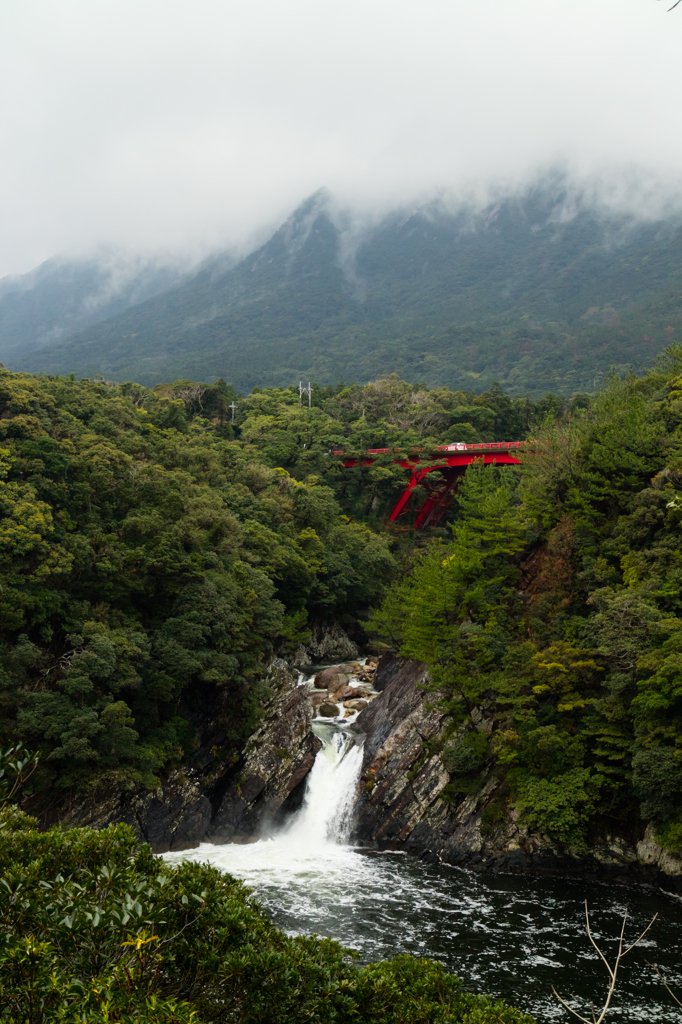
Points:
x=508, y=936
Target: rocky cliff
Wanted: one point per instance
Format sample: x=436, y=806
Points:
x=405, y=798
x=403, y=802
x=218, y=796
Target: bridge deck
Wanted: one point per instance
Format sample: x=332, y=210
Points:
x=450, y=460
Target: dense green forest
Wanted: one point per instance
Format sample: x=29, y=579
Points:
x=151, y=550
x=154, y=555
x=542, y=289
x=556, y=607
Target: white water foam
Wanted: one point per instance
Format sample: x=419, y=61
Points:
x=316, y=836
x=327, y=812
x=513, y=937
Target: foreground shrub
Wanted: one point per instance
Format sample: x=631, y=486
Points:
x=94, y=928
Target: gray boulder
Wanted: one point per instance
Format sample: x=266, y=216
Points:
x=331, y=678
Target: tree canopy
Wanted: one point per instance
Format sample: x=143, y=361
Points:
x=97, y=930
x=154, y=555
x=555, y=608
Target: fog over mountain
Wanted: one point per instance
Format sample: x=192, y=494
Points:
x=65, y=294
x=543, y=288
x=440, y=250
x=185, y=127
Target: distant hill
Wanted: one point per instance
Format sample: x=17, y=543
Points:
x=540, y=291
x=65, y=294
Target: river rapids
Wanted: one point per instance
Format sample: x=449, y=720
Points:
x=508, y=936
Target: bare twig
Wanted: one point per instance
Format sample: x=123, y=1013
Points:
x=613, y=971
x=666, y=986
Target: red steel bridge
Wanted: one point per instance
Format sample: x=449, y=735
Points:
x=449, y=461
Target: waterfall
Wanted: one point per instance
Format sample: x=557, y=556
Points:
x=314, y=840
x=327, y=812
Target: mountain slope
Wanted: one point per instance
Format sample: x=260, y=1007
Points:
x=540, y=291
x=64, y=295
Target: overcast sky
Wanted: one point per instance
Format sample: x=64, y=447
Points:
x=191, y=124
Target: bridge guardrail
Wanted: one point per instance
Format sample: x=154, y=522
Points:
x=455, y=447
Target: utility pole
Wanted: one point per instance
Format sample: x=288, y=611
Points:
x=305, y=391
x=232, y=407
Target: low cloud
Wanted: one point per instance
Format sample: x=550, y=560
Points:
x=187, y=127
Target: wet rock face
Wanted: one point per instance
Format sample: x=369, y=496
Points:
x=317, y=697
x=396, y=724
x=402, y=804
x=402, y=801
x=344, y=693
x=278, y=757
x=355, y=705
x=210, y=800
x=221, y=795
x=325, y=645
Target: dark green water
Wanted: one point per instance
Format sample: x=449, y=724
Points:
x=504, y=935
x=508, y=936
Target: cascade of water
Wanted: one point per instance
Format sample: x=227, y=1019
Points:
x=317, y=834
x=509, y=935
x=326, y=814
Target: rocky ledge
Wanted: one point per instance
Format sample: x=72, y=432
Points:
x=402, y=803
x=219, y=797
x=213, y=799
x=341, y=691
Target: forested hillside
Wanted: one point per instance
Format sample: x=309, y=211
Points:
x=555, y=607
x=542, y=290
x=64, y=295
x=154, y=556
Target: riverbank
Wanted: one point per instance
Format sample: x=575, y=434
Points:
x=401, y=800
x=513, y=937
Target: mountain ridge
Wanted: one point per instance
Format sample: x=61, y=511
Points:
x=539, y=290
x=66, y=293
